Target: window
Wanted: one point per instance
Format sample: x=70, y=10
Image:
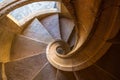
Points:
x=1, y=0
x=33, y=9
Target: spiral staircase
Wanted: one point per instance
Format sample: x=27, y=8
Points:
x=62, y=45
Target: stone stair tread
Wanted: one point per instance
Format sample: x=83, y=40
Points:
x=66, y=28
x=38, y=32
x=47, y=73
x=51, y=23
x=26, y=68
x=64, y=75
x=24, y=47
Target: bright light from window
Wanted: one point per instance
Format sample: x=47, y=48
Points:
x=1, y=0
x=24, y=11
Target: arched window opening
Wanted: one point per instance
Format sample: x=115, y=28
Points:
x=29, y=11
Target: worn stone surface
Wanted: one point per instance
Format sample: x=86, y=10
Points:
x=110, y=61
x=23, y=47
x=8, y=25
x=73, y=38
x=6, y=39
x=63, y=75
x=38, y=32
x=93, y=73
x=51, y=23
x=25, y=69
x=66, y=27
x=48, y=72
x=69, y=6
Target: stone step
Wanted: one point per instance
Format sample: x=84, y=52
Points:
x=38, y=32
x=25, y=69
x=23, y=47
x=51, y=23
x=66, y=27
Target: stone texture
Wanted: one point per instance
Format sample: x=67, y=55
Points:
x=47, y=73
x=37, y=31
x=66, y=27
x=25, y=69
x=93, y=73
x=51, y=23
x=72, y=38
x=6, y=39
x=23, y=47
x=64, y=75
x=111, y=61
